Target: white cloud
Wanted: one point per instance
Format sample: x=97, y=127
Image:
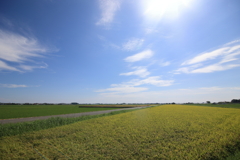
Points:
x=214, y=68
x=154, y=80
x=206, y=56
x=213, y=94
x=182, y=70
x=140, y=56
x=30, y=68
x=233, y=52
x=227, y=57
x=232, y=42
x=206, y=69
x=139, y=71
x=133, y=44
x=123, y=89
x=4, y=66
x=164, y=64
x=187, y=69
x=13, y=85
x=132, y=86
x=19, y=49
x=108, y=9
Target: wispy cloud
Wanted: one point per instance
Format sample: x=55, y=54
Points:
x=108, y=9
x=13, y=85
x=164, y=63
x=19, y=50
x=133, y=44
x=123, y=89
x=154, y=80
x=223, y=58
x=133, y=85
x=5, y=66
x=139, y=71
x=213, y=94
x=30, y=68
x=214, y=67
x=140, y=56
x=207, y=56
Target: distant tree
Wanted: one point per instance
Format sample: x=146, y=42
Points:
x=235, y=101
x=208, y=102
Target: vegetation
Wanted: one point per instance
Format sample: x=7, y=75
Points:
x=116, y=105
x=20, y=111
x=163, y=132
x=235, y=156
x=20, y=128
x=227, y=105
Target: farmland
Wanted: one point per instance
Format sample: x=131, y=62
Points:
x=20, y=111
x=227, y=105
x=162, y=132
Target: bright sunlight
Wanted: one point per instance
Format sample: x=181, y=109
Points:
x=156, y=9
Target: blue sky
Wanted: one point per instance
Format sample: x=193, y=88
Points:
x=119, y=51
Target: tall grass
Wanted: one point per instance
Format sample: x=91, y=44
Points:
x=235, y=156
x=20, y=128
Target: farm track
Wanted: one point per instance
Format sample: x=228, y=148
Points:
x=18, y=120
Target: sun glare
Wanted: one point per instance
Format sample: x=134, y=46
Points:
x=158, y=8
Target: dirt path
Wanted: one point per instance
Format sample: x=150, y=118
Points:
x=17, y=120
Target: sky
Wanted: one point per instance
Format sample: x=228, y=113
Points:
x=119, y=51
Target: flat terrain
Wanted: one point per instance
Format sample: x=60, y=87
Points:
x=227, y=105
x=71, y=115
x=22, y=111
x=162, y=132
x=113, y=106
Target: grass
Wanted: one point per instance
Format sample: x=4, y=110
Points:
x=114, y=105
x=163, y=132
x=20, y=128
x=21, y=111
x=227, y=105
x=235, y=156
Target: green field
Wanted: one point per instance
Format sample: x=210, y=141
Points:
x=20, y=111
x=163, y=132
x=227, y=105
x=11, y=129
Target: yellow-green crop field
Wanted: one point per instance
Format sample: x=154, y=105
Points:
x=163, y=132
